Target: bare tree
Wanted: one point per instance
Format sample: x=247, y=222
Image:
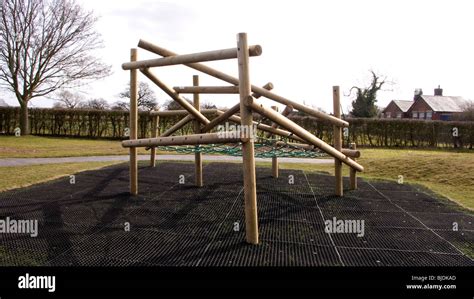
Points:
x=68, y=100
x=46, y=45
x=468, y=112
x=364, y=104
x=96, y=104
x=146, y=98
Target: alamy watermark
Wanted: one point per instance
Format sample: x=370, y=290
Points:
x=28, y=281
x=14, y=226
x=236, y=131
x=339, y=226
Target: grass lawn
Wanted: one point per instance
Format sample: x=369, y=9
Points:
x=22, y=176
x=48, y=147
x=448, y=173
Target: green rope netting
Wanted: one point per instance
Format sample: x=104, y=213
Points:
x=264, y=148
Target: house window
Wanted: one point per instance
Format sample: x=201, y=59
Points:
x=388, y=114
x=429, y=114
x=421, y=115
x=414, y=114
x=399, y=115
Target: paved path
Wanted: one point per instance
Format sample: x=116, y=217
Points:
x=33, y=161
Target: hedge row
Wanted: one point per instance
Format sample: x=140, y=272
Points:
x=363, y=131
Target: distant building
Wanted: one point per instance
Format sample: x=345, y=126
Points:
x=432, y=107
x=397, y=109
x=3, y=103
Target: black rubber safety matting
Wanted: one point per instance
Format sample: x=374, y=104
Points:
x=95, y=222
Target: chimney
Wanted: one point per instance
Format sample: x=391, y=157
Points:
x=418, y=93
x=438, y=91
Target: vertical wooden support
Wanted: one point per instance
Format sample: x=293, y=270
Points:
x=353, y=172
x=275, y=165
x=197, y=130
x=133, y=125
x=250, y=189
x=155, y=119
x=337, y=140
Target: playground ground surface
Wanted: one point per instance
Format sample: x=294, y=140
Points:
x=95, y=222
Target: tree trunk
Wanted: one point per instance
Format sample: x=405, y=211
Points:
x=24, y=122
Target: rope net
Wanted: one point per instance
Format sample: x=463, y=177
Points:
x=264, y=148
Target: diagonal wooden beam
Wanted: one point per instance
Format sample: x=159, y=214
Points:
x=232, y=80
x=233, y=110
x=178, y=125
x=175, y=96
x=302, y=133
x=286, y=112
x=267, y=128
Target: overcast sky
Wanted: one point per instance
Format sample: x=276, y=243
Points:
x=308, y=46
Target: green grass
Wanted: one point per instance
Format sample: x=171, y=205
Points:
x=448, y=173
x=49, y=147
x=22, y=176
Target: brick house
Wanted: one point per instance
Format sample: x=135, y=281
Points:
x=435, y=107
x=397, y=109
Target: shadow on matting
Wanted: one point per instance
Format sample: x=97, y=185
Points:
x=169, y=223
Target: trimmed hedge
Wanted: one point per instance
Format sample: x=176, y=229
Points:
x=364, y=131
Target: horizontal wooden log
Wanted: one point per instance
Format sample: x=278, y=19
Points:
x=181, y=112
x=207, y=89
x=208, y=138
x=254, y=50
x=175, y=96
x=302, y=133
x=178, y=125
x=235, y=81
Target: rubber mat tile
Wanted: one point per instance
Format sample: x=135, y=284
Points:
x=234, y=253
x=446, y=221
x=384, y=258
x=147, y=246
x=394, y=238
x=423, y=206
x=293, y=232
x=392, y=186
x=463, y=240
x=377, y=219
x=348, y=203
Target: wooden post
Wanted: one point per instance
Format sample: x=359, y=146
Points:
x=197, y=130
x=133, y=125
x=274, y=158
x=353, y=172
x=250, y=189
x=337, y=140
x=154, y=134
